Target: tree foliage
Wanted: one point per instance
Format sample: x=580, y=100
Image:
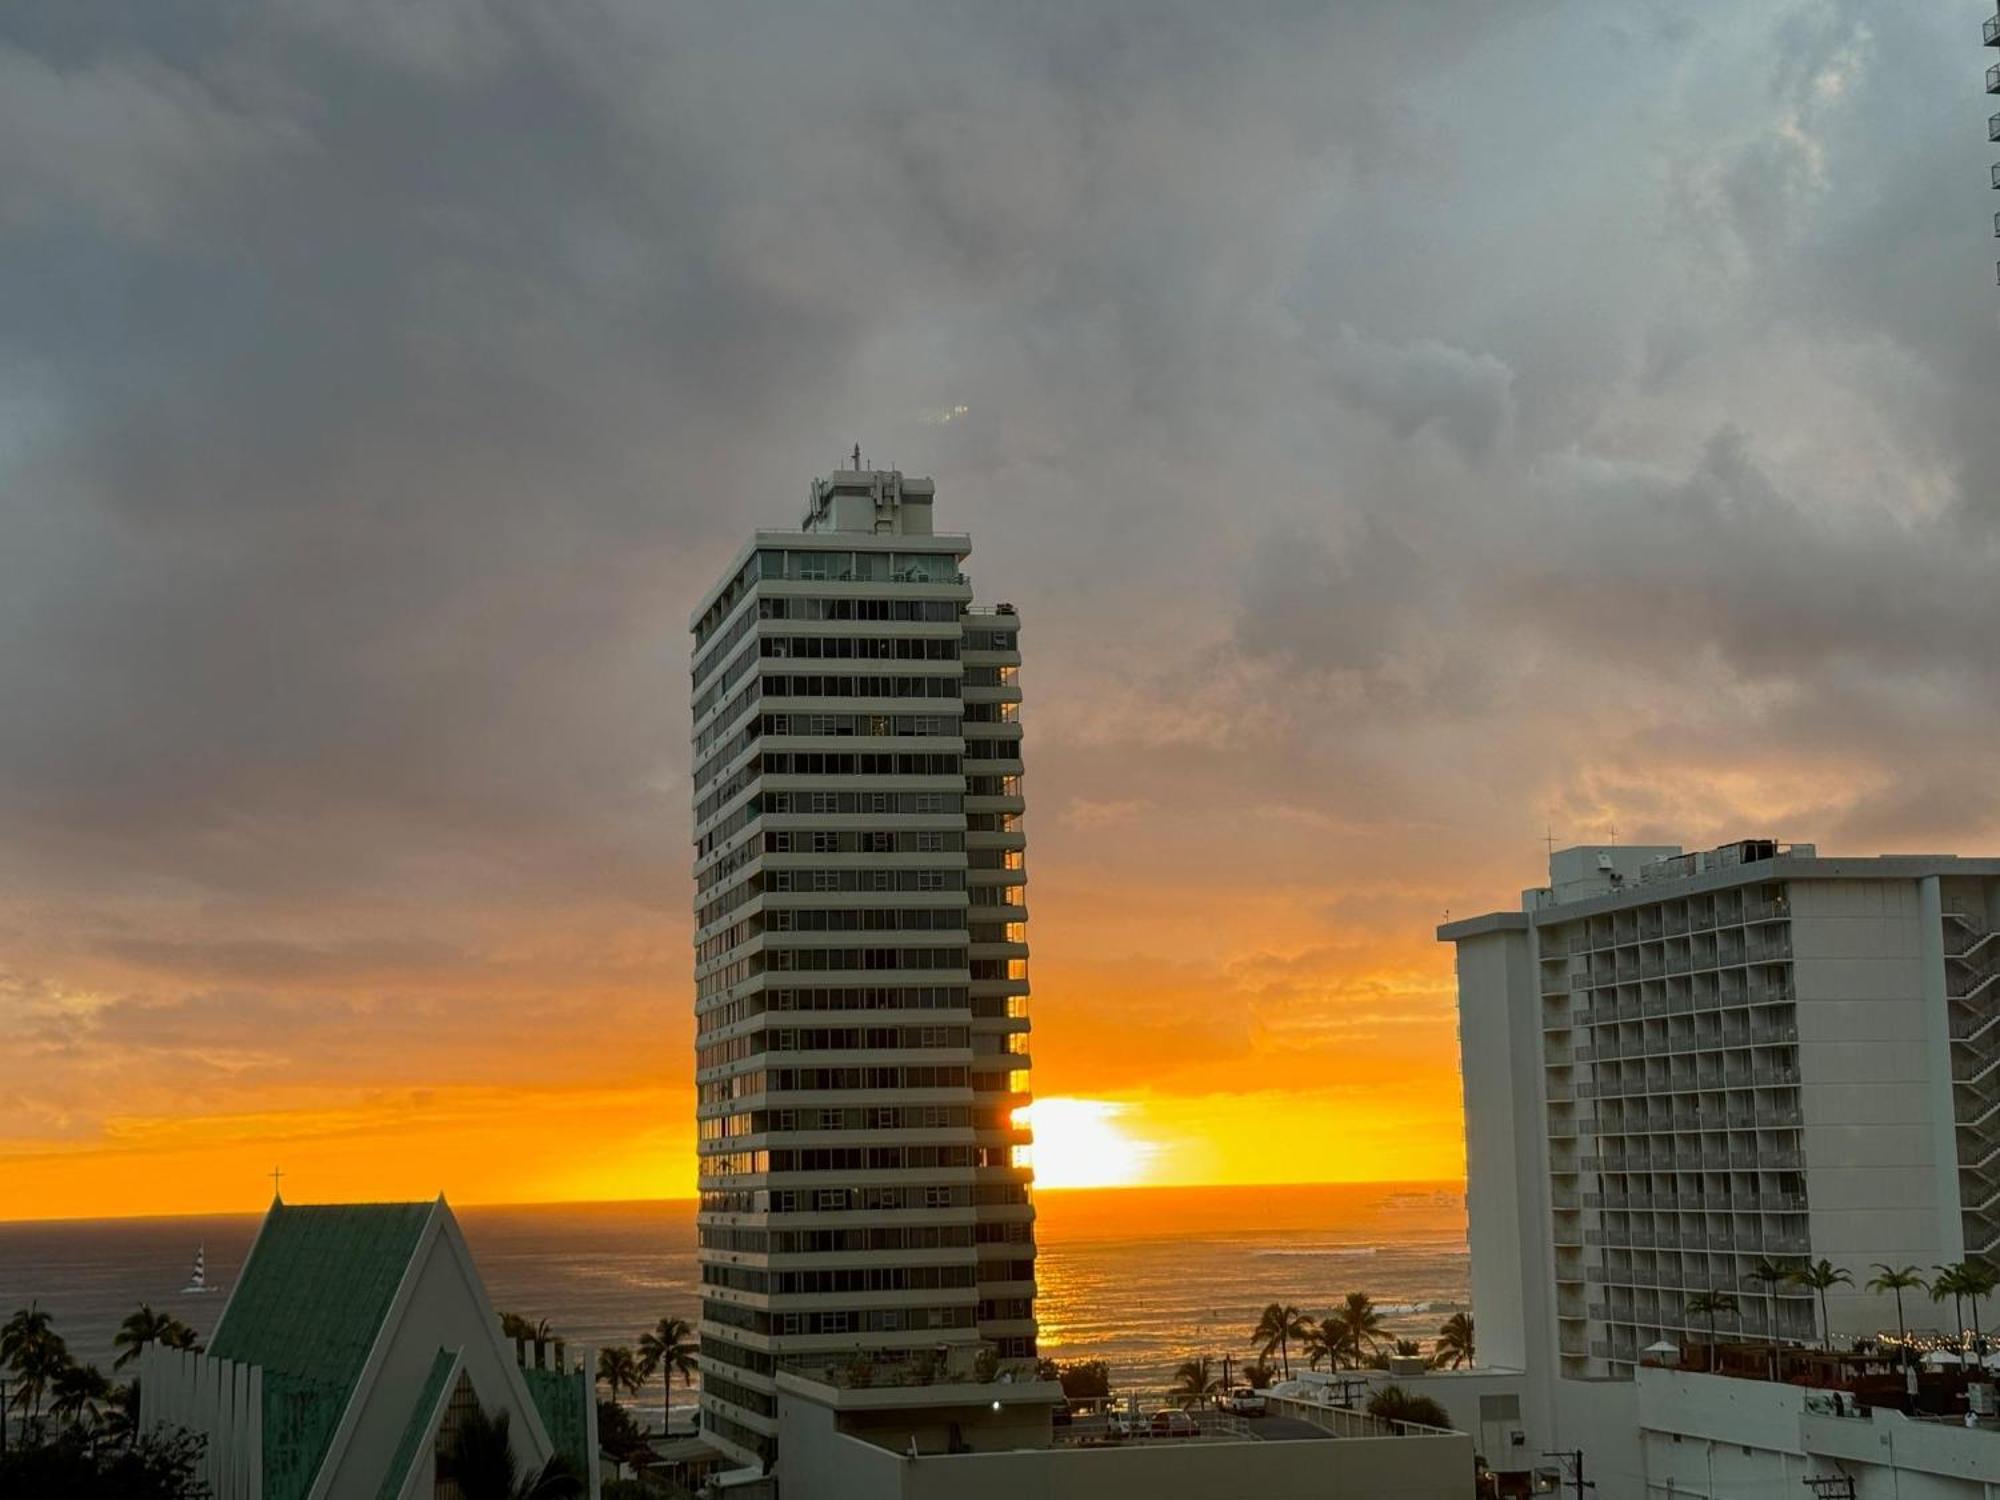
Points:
x=617, y=1369
x=479, y=1459
x=1394, y=1404
x=1280, y=1326
x=145, y=1326
x=1454, y=1342
x=620, y=1435
x=158, y=1466
x=1081, y=1379
x=35, y=1355
x=1195, y=1379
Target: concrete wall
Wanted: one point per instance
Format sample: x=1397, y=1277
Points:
x=1505, y=1192
x=1601, y=1418
x=1875, y=1186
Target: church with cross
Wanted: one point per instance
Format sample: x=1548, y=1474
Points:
x=355, y=1341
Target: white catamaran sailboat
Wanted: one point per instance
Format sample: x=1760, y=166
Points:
x=198, y=1282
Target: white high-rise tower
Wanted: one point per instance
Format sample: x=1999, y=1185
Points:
x=1687, y=1074
x=860, y=957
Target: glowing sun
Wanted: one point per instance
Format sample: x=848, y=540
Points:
x=1080, y=1143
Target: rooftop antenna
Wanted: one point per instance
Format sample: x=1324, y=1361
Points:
x=1549, y=838
x=857, y=458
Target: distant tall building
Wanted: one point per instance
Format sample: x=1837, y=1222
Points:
x=1677, y=1065
x=1991, y=36
x=861, y=957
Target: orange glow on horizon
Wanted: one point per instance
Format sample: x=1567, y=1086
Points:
x=1257, y=1053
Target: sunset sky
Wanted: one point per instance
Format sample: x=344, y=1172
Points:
x=1407, y=429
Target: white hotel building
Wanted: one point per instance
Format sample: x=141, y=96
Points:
x=1677, y=1064
x=860, y=956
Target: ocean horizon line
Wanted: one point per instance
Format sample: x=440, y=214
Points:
x=1387, y=1184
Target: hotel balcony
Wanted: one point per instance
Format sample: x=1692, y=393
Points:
x=1993, y=79
x=1990, y=31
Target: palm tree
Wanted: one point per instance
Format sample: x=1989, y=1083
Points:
x=669, y=1345
x=479, y=1459
x=35, y=1353
x=180, y=1336
x=1948, y=1283
x=521, y=1330
x=1454, y=1342
x=1194, y=1380
x=77, y=1392
x=1259, y=1376
x=1360, y=1325
x=1394, y=1404
x=618, y=1370
x=1898, y=1281
x=1707, y=1305
x=1771, y=1274
x=1819, y=1275
x=121, y=1414
x=1322, y=1341
x=148, y=1327
x=1980, y=1281
x=1279, y=1327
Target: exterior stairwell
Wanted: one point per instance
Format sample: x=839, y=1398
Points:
x=1966, y=936
x=1972, y=993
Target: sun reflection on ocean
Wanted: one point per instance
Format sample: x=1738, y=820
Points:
x=1149, y=1277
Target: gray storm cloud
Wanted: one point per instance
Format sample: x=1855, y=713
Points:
x=1395, y=414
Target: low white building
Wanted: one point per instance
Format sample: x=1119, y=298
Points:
x=996, y=1441
x=1485, y=1402
x=1717, y=1438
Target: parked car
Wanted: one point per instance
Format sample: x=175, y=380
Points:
x=1244, y=1402
x=1168, y=1422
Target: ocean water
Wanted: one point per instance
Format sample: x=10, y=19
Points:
x=1141, y=1277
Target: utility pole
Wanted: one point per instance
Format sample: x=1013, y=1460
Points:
x=1572, y=1460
